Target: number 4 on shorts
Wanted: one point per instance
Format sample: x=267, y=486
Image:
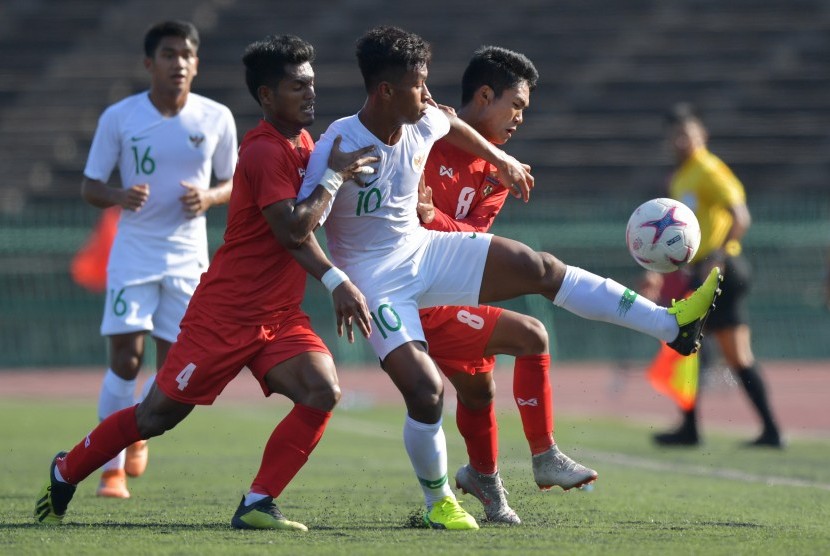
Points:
x=184, y=376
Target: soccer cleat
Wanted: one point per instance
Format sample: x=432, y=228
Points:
x=263, y=514
x=447, y=513
x=691, y=313
x=54, y=497
x=490, y=491
x=136, y=460
x=113, y=484
x=553, y=468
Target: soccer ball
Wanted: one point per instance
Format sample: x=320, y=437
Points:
x=662, y=235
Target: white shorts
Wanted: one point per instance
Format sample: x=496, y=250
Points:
x=156, y=307
x=445, y=270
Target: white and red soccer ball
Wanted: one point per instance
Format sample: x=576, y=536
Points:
x=662, y=235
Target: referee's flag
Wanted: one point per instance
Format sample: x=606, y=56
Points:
x=675, y=376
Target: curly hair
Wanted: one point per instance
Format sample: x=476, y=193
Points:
x=265, y=60
x=386, y=53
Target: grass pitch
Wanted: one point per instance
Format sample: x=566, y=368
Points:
x=358, y=494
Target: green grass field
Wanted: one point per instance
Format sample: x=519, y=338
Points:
x=358, y=494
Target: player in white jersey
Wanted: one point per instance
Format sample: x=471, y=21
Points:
x=375, y=238
x=165, y=142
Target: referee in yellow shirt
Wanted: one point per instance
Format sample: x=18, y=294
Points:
x=704, y=183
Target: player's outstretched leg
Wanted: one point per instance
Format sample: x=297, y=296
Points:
x=447, y=513
x=553, y=468
x=490, y=491
x=54, y=498
x=263, y=514
x=691, y=313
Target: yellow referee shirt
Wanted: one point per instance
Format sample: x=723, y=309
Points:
x=707, y=186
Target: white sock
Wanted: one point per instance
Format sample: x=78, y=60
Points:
x=427, y=449
x=253, y=497
x=116, y=394
x=593, y=297
x=146, y=388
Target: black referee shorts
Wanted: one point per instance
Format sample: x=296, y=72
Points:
x=730, y=307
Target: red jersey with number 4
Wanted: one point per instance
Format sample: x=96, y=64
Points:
x=252, y=278
x=466, y=194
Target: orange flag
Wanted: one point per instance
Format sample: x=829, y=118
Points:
x=675, y=376
x=89, y=265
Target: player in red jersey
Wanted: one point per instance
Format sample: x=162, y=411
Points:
x=246, y=309
x=461, y=193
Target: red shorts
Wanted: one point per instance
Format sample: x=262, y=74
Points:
x=208, y=354
x=458, y=337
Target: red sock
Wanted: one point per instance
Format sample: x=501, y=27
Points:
x=288, y=448
x=481, y=434
x=532, y=392
x=112, y=435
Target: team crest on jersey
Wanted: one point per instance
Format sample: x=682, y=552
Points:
x=489, y=185
x=419, y=160
x=196, y=140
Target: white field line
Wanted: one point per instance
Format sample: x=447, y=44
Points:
x=702, y=471
x=389, y=431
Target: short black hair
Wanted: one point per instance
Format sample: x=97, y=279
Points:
x=265, y=60
x=498, y=68
x=681, y=113
x=181, y=29
x=386, y=53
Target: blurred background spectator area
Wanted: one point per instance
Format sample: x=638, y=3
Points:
x=759, y=73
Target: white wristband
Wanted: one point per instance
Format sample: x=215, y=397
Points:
x=331, y=181
x=333, y=278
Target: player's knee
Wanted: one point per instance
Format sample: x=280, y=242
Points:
x=324, y=397
x=151, y=424
x=126, y=363
x=534, y=337
x=553, y=271
x=478, y=399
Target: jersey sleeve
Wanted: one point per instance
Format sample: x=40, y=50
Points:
x=105, y=149
x=269, y=173
x=317, y=164
x=724, y=187
x=435, y=124
x=224, y=157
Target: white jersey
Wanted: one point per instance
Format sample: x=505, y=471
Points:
x=377, y=223
x=161, y=151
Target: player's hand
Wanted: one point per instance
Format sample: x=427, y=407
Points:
x=195, y=201
x=350, y=307
x=425, y=208
x=516, y=177
x=448, y=110
x=352, y=165
x=135, y=197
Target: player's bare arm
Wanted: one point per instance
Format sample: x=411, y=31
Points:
x=515, y=175
x=305, y=215
x=196, y=201
x=101, y=195
x=349, y=303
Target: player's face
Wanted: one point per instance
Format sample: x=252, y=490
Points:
x=173, y=66
x=292, y=105
x=410, y=95
x=685, y=138
x=503, y=115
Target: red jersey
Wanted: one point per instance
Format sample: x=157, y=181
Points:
x=466, y=194
x=252, y=278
